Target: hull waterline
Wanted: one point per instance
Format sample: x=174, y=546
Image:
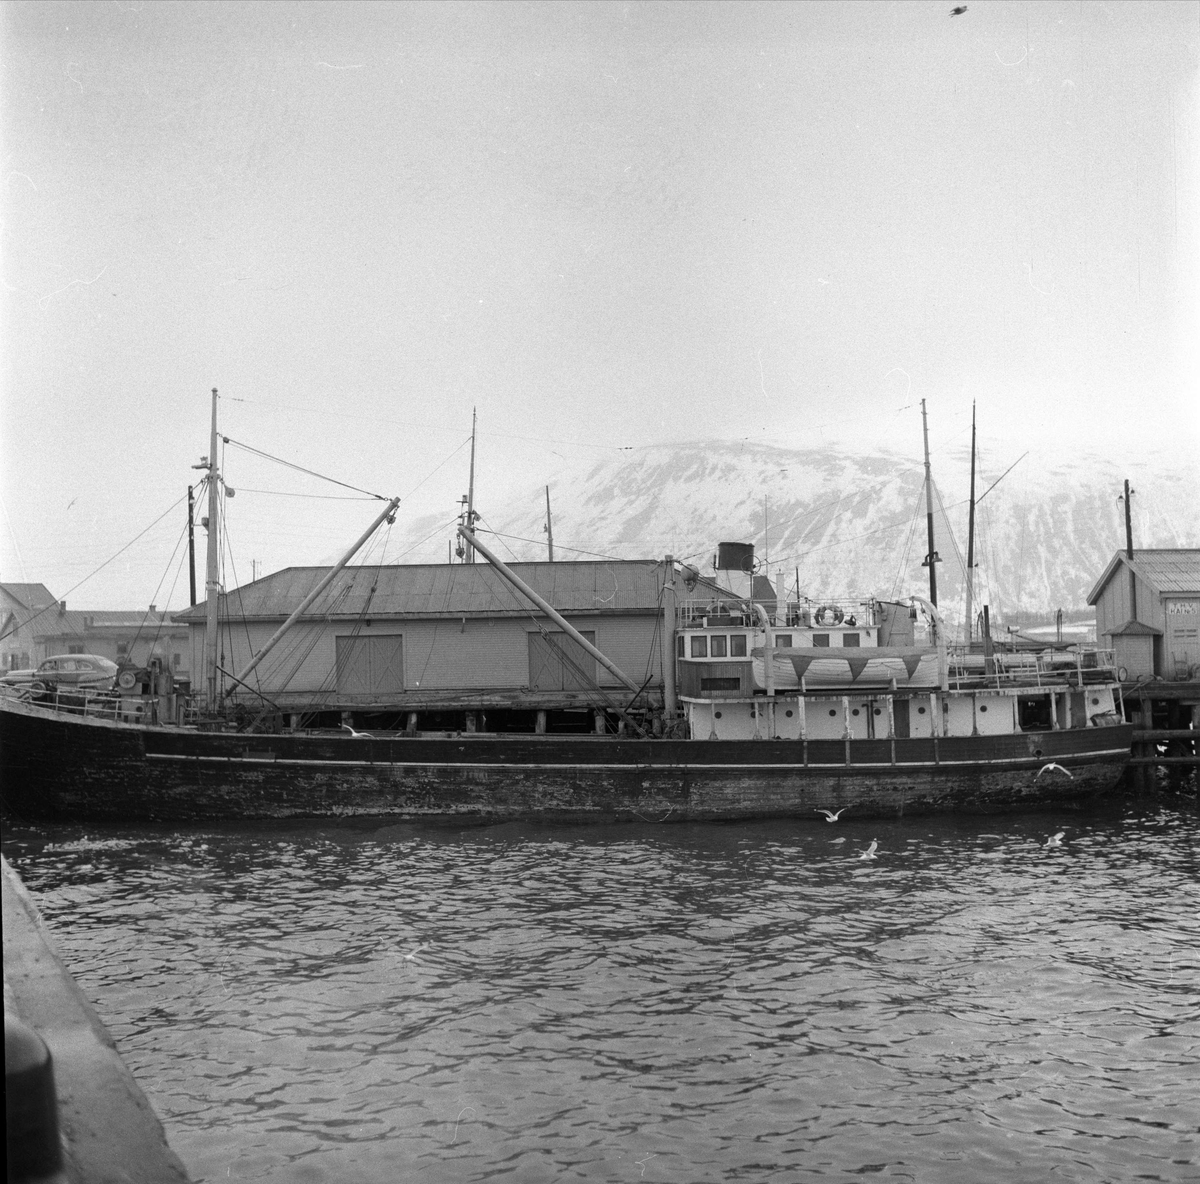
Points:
x=65, y=768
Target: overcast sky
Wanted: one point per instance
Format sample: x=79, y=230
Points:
x=604, y=225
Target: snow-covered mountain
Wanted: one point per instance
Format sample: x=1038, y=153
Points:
x=843, y=524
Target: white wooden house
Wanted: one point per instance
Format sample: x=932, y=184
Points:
x=1148, y=610
x=22, y=608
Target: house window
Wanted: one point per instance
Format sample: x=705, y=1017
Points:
x=737, y=645
x=821, y=640
x=699, y=647
x=719, y=646
x=122, y=649
x=74, y=649
x=783, y=640
x=176, y=661
x=850, y=640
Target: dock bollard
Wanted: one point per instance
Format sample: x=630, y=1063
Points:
x=30, y=1103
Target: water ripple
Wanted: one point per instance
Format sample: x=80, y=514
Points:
x=308, y=1002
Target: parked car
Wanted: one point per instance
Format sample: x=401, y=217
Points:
x=70, y=671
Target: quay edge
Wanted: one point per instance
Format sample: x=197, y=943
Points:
x=109, y=1132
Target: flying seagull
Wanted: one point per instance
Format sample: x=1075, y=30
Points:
x=959, y=10
x=1052, y=765
x=1055, y=840
x=830, y=816
x=869, y=853
x=357, y=735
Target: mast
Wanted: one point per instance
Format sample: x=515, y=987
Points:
x=212, y=578
x=549, y=526
x=971, y=537
x=192, y=543
x=328, y=579
x=670, y=696
x=470, y=555
x=931, y=557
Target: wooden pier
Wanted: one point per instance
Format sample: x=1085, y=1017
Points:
x=1167, y=715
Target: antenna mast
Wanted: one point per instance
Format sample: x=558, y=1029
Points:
x=192, y=543
x=549, y=526
x=1133, y=616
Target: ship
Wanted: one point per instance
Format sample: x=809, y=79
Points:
x=768, y=707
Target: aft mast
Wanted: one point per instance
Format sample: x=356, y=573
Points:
x=931, y=557
x=970, y=620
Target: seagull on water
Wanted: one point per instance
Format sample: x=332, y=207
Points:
x=830, y=816
x=869, y=853
x=1052, y=765
x=357, y=735
x=1055, y=840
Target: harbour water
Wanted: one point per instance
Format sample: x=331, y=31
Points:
x=369, y=1003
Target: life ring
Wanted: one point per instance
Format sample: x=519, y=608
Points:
x=1122, y=674
x=127, y=680
x=828, y=615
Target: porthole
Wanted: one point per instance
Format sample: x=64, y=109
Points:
x=716, y=715
x=920, y=710
x=789, y=715
x=833, y=711
x=983, y=707
x=1095, y=702
x=878, y=710
x=854, y=712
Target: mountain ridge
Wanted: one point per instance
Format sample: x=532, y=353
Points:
x=838, y=523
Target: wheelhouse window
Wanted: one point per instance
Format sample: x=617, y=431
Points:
x=851, y=640
x=737, y=645
x=699, y=647
x=783, y=640
x=718, y=647
x=821, y=640
x=681, y=646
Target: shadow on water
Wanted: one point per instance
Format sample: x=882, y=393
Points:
x=346, y=1001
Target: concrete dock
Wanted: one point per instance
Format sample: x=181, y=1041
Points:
x=109, y=1133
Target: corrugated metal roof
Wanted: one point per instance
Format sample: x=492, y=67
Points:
x=1170, y=571
x=450, y=589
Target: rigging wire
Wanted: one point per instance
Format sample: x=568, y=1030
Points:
x=912, y=529
x=327, y=497
x=299, y=468
x=29, y=620
x=157, y=589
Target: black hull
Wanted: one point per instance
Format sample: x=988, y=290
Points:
x=64, y=768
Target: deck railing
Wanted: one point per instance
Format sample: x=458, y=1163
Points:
x=1076, y=665
x=93, y=704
